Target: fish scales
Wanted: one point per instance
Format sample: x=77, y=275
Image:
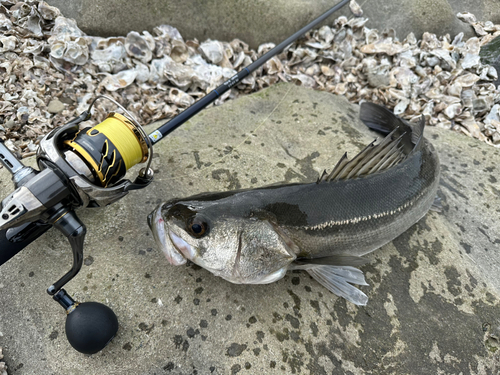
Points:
x=322, y=227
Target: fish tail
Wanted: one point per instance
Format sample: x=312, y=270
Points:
x=337, y=279
x=382, y=120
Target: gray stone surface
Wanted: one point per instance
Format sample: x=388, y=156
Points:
x=434, y=292
x=261, y=21
x=490, y=54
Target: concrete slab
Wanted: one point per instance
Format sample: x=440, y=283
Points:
x=434, y=292
x=261, y=21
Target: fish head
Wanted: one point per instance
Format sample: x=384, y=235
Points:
x=242, y=250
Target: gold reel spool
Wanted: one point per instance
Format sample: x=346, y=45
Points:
x=112, y=147
x=130, y=144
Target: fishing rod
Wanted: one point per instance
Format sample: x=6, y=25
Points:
x=86, y=168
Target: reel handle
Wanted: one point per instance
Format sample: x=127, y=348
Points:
x=72, y=227
x=90, y=326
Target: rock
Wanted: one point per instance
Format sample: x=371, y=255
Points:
x=55, y=106
x=66, y=100
x=10, y=124
x=490, y=54
x=434, y=291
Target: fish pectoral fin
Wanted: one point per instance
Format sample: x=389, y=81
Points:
x=334, y=260
x=337, y=280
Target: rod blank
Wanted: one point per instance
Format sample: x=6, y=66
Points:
x=184, y=116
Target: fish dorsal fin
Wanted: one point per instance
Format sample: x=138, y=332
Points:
x=402, y=139
x=418, y=133
x=373, y=158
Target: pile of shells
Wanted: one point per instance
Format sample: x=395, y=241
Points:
x=3, y=366
x=50, y=72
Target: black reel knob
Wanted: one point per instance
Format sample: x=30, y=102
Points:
x=90, y=326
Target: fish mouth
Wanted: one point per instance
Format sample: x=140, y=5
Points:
x=181, y=246
x=161, y=234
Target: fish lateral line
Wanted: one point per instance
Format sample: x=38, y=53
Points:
x=355, y=220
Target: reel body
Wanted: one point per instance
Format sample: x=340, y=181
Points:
x=78, y=168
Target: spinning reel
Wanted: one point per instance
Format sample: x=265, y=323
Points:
x=86, y=168
x=78, y=168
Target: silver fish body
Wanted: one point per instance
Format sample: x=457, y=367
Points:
x=255, y=236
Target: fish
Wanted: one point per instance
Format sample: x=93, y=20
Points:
x=254, y=236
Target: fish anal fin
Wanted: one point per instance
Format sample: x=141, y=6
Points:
x=437, y=205
x=337, y=279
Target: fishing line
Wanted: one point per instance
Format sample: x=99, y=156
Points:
x=109, y=148
x=123, y=137
x=252, y=133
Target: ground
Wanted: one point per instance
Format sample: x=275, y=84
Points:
x=434, y=294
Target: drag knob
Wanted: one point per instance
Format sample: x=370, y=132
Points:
x=90, y=327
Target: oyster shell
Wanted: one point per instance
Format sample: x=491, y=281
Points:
x=45, y=57
x=8, y=43
x=386, y=46
x=355, y=8
x=120, y=80
x=212, y=50
x=48, y=12
x=180, y=98
x=108, y=55
x=140, y=46
x=5, y=22
x=67, y=43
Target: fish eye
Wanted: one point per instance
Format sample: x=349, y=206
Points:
x=197, y=227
